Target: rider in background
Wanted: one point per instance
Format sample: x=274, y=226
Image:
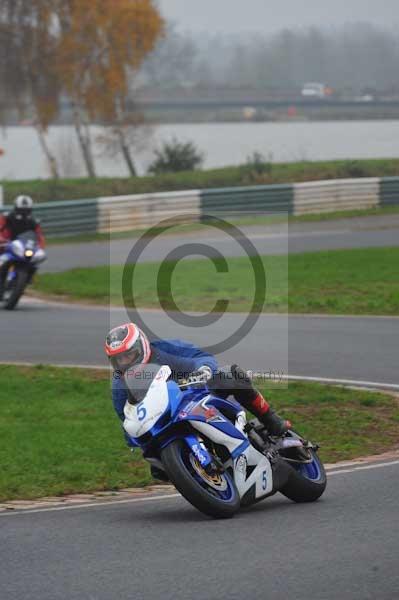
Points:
x=14, y=224
x=19, y=221
x=127, y=346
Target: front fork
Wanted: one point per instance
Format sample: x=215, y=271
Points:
x=11, y=274
x=201, y=453
x=209, y=462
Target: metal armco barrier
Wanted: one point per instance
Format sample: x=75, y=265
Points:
x=242, y=200
x=68, y=218
x=389, y=191
x=124, y=213
x=336, y=195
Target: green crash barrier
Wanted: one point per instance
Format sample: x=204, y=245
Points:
x=68, y=218
x=389, y=191
x=244, y=200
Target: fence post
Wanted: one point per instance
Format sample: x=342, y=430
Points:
x=1, y=196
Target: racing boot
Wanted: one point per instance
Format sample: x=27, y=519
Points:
x=252, y=400
x=274, y=424
x=159, y=474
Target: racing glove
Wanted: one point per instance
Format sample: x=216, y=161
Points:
x=201, y=375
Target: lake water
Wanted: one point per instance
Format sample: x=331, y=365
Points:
x=223, y=144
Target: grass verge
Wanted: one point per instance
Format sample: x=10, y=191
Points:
x=60, y=435
x=359, y=281
x=259, y=174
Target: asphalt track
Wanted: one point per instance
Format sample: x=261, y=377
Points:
x=331, y=347
x=344, y=547
x=361, y=348
x=268, y=240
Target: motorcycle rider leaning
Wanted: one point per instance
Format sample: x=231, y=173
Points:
x=127, y=346
x=14, y=224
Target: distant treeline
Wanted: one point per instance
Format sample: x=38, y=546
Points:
x=356, y=58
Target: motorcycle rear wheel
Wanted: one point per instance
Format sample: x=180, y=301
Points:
x=307, y=482
x=198, y=487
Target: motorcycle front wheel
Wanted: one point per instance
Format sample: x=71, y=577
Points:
x=213, y=494
x=14, y=289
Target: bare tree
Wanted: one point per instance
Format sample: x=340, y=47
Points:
x=128, y=133
x=27, y=72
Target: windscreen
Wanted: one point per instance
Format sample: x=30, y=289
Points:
x=28, y=236
x=138, y=380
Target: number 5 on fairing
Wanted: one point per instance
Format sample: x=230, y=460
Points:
x=141, y=412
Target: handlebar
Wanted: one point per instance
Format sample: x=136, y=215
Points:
x=200, y=378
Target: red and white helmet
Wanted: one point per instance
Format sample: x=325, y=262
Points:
x=127, y=346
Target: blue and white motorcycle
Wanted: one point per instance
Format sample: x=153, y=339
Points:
x=215, y=458
x=18, y=264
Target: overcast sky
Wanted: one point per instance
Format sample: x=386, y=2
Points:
x=232, y=16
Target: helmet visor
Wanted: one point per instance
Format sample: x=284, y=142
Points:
x=125, y=360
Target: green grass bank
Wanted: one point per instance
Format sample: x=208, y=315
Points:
x=359, y=281
x=259, y=174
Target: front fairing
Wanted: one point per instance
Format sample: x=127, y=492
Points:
x=9, y=260
x=195, y=416
x=166, y=412
x=5, y=257
x=157, y=400
x=14, y=252
x=16, y=249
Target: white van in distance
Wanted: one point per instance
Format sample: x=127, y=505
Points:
x=316, y=90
